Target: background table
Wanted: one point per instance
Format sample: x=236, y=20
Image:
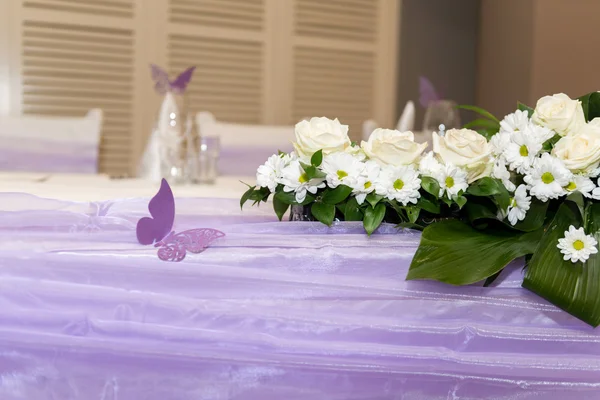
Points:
x=82, y=187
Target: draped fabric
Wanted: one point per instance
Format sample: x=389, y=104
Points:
x=288, y=310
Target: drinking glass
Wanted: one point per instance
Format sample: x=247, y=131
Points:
x=441, y=112
x=208, y=158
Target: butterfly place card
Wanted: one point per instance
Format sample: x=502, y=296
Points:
x=157, y=229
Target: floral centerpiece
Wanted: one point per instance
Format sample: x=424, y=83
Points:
x=525, y=186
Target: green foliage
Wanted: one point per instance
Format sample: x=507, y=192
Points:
x=324, y=213
x=373, y=217
x=317, y=158
x=337, y=195
x=573, y=287
x=591, y=105
x=451, y=251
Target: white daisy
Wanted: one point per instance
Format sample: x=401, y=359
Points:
x=547, y=178
x=452, y=180
x=429, y=165
x=366, y=181
x=400, y=183
x=515, y=122
x=341, y=169
x=581, y=184
x=501, y=172
x=540, y=133
x=269, y=174
x=519, y=205
x=499, y=142
x=521, y=151
x=576, y=245
x=295, y=180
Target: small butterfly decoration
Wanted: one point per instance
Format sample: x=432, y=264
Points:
x=157, y=229
x=427, y=92
x=163, y=84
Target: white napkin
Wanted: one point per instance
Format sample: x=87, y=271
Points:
x=407, y=119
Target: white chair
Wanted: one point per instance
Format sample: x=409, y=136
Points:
x=244, y=147
x=50, y=144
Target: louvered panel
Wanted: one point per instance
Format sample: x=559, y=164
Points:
x=334, y=83
x=337, y=19
x=228, y=76
x=69, y=69
x=234, y=14
x=109, y=8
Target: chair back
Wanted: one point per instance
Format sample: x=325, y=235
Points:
x=50, y=144
x=244, y=147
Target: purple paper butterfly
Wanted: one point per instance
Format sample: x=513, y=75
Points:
x=157, y=229
x=163, y=84
x=427, y=92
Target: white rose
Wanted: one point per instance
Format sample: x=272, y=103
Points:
x=467, y=149
x=390, y=147
x=320, y=134
x=580, y=152
x=559, y=113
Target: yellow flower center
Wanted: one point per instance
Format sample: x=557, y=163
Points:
x=547, y=177
x=523, y=151
x=341, y=174
x=513, y=202
x=571, y=186
x=449, y=182
x=368, y=184
x=303, y=178
x=398, y=184
x=578, y=245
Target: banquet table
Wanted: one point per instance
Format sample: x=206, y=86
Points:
x=273, y=310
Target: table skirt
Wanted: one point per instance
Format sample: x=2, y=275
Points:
x=290, y=310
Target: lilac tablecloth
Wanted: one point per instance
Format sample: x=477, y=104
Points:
x=280, y=311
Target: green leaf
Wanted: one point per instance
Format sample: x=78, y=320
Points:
x=480, y=111
x=412, y=212
x=485, y=187
x=312, y=171
x=483, y=209
x=373, y=218
x=451, y=251
x=353, y=211
x=246, y=196
x=577, y=198
x=325, y=213
x=428, y=205
x=535, y=217
x=373, y=199
x=573, y=287
x=549, y=144
x=260, y=194
x=336, y=195
x=409, y=225
x=279, y=206
x=281, y=153
x=461, y=201
x=591, y=105
x=492, y=278
x=524, y=107
x=431, y=186
x=286, y=197
x=483, y=123
x=317, y=158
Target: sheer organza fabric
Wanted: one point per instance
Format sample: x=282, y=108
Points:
x=289, y=310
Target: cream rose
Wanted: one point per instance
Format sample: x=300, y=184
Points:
x=467, y=149
x=320, y=134
x=580, y=152
x=559, y=113
x=390, y=147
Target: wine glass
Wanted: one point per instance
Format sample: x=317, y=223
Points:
x=441, y=112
